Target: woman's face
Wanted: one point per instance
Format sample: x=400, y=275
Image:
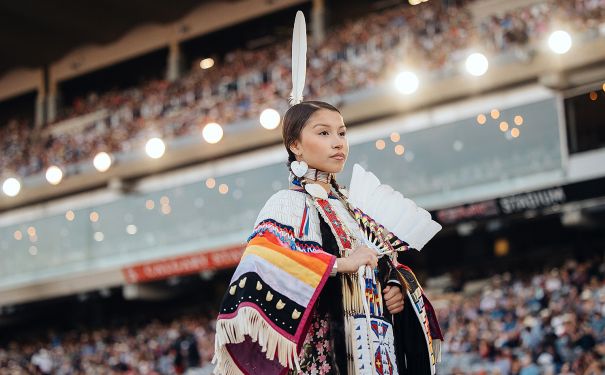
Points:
x=323, y=142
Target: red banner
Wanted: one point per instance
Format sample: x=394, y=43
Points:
x=184, y=264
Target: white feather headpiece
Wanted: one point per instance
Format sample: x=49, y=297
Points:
x=299, y=58
x=390, y=220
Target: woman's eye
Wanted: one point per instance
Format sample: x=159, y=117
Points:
x=326, y=132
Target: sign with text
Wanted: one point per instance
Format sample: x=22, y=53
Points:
x=519, y=203
x=470, y=211
x=532, y=200
x=184, y=264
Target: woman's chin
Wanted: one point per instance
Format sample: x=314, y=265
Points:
x=335, y=167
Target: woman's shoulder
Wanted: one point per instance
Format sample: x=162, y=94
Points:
x=284, y=206
x=290, y=210
x=291, y=195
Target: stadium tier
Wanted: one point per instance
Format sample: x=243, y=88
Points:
x=132, y=173
x=355, y=66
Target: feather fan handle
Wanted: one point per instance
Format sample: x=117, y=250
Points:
x=299, y=58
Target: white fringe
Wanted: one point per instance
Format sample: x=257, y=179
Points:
x=249, y=322
x=224, y=364
x=437, y=350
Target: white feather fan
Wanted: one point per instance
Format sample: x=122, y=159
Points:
x=390, y=221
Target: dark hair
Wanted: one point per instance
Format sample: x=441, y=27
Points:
x=295, y=119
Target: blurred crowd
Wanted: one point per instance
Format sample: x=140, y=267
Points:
x=358, y=54
x=515, y=29
x=182, y=346
x=550, y=322
x=546, y=323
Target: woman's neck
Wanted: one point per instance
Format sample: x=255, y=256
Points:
x=324, y=185
x=315, y=176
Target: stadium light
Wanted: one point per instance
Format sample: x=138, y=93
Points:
x=11, y=186
x=212, y=132
x=155, y=148
x=102, y=161
x=269, y=119
x=99, y=236
x=560, y=42
x=207, y=63
x=407, y=82
x=477, y=64
x=54, y=175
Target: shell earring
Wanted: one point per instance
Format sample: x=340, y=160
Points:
x=299, y=168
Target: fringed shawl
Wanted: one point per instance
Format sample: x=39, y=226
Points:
x=264, y=316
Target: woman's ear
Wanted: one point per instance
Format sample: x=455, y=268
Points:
x=295, y=148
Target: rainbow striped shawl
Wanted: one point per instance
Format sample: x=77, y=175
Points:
x=264, y=316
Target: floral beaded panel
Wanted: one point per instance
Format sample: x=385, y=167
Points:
x=317, y=355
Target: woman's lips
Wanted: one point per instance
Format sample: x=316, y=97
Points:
x=338, y=157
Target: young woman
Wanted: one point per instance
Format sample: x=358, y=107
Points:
x=295, y=303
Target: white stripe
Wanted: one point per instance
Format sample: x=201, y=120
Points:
x=279, y=280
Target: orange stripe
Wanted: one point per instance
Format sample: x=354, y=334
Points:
x=308, y=260
x=325, y=257
x=284, y=263
x=321, y=255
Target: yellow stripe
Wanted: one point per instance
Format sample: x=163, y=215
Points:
x=286, y=264
x=312, y=261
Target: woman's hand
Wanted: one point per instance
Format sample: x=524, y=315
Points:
x=361, y=256
x=393, y=298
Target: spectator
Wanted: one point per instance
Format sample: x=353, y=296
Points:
x=360, y=54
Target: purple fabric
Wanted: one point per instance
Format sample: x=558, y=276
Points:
x=251, y=360
x=433, y=323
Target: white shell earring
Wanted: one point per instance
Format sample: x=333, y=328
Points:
x=299, y=168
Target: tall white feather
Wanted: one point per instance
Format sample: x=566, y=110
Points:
x=391, y=209
x=299, y=58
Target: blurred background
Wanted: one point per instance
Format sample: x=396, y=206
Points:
x=139, y=140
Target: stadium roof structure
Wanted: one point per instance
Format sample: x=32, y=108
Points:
x=36, y=32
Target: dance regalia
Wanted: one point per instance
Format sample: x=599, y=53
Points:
x=284, y=314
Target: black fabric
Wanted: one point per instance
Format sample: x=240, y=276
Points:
x=330, y=301
x=280, y=317
x=410, y=342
